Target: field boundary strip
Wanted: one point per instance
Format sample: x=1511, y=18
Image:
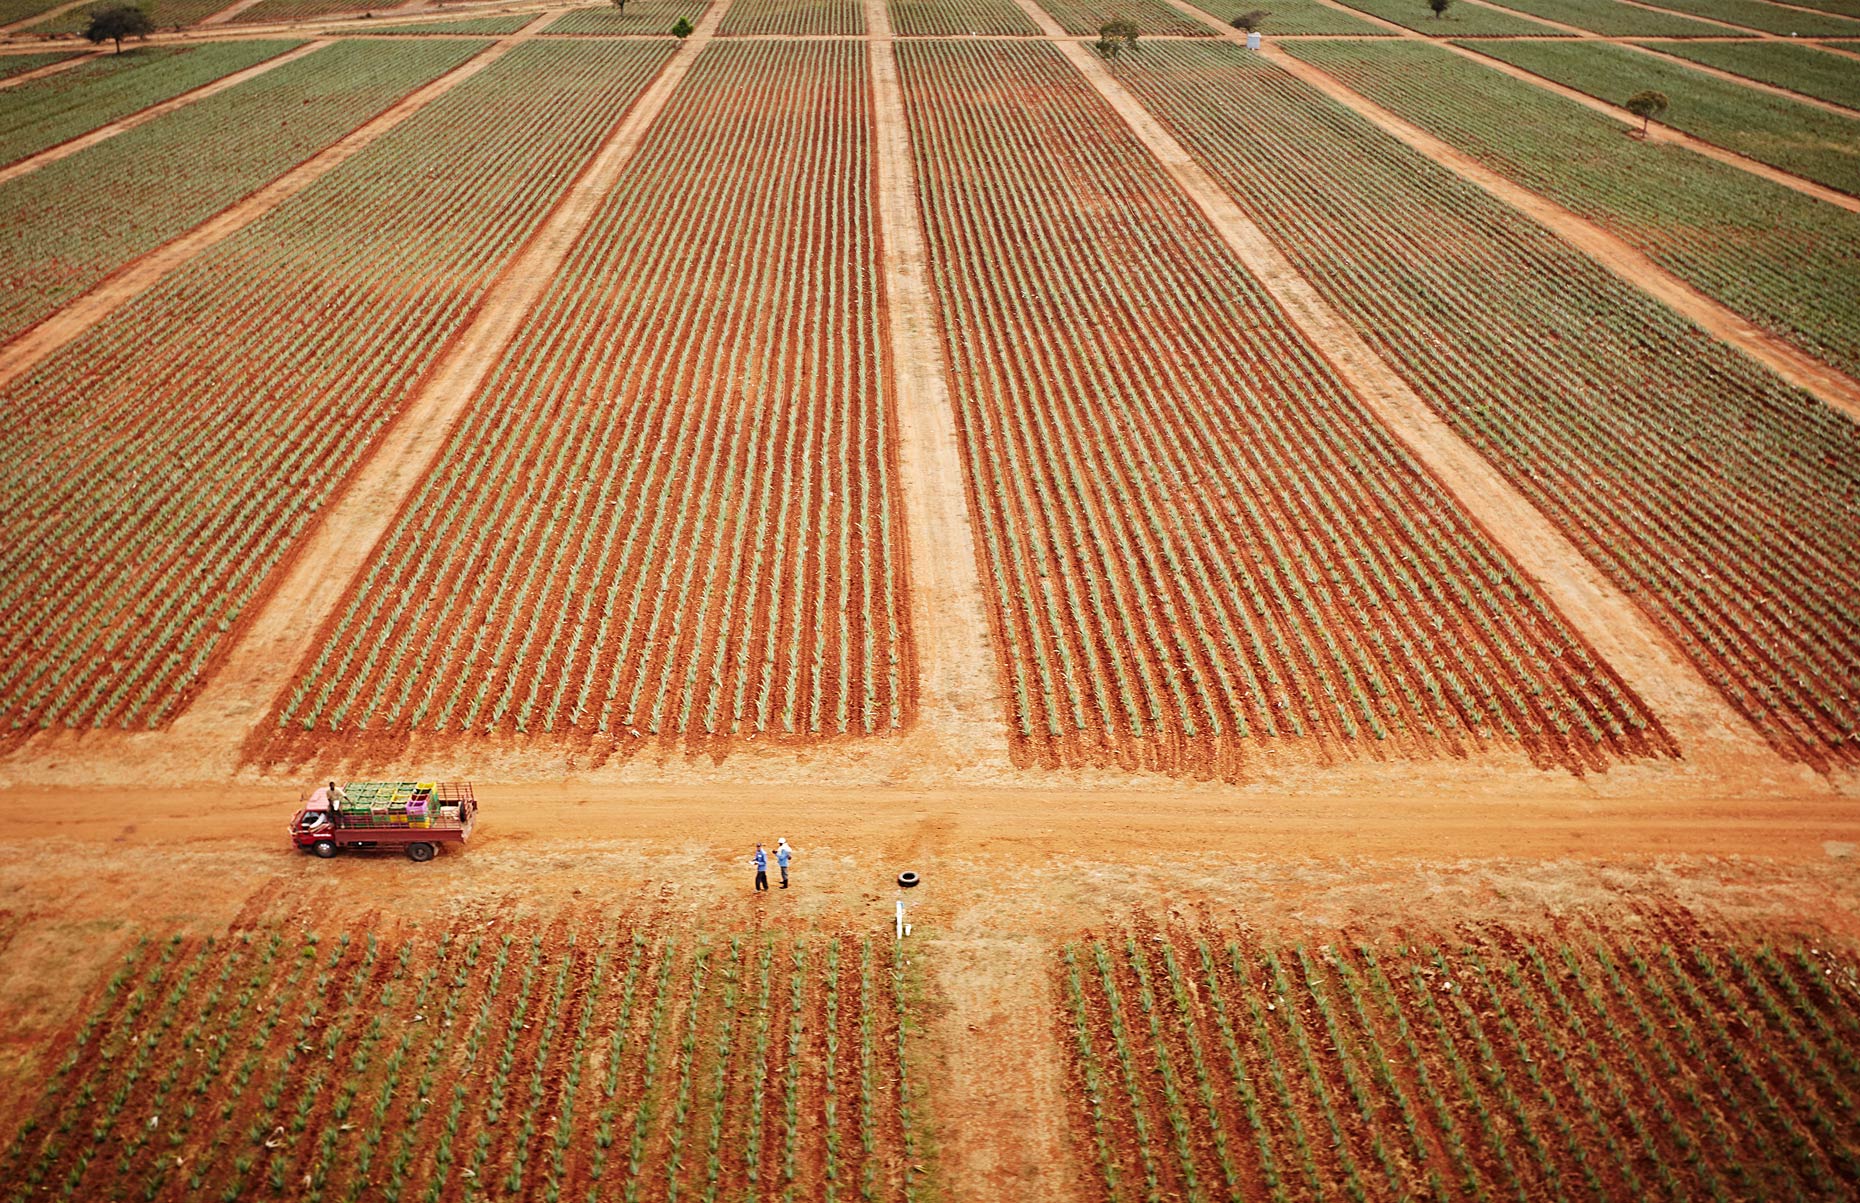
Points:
x=1696, y=715
x=958, y=688
x=104, y=133
x=1825, y=383
x=69, y=323
x=245, y=688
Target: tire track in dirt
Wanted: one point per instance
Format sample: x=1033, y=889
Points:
x=131, y=281
x=1690, y=709
x=961, y=713
x=1832, y=387
x=998, y=1101
x=259, y=665
x=104, y=133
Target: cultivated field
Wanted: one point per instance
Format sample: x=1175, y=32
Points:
x=684, y=458
x=1336, y=565
x=535, y=1063
x=1526, y=1064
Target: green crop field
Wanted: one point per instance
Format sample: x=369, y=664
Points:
x=1151, y=16
x=531, y=1064
x=946, y=17
x=1297, y=17
x=1615, y=19
x=1459, y=21
x=1513, y=1065
x=74, y=221
x=41, y=113
x=1771, y=18
x=1585, y=393
x=1809, y=70
x=320, y=370
x=1785, y=133
x=1779, y=258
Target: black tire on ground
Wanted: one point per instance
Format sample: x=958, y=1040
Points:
x=324, y=849
x=907, y=879
x=420, y=851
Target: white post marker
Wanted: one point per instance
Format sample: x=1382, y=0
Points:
x=900, y=918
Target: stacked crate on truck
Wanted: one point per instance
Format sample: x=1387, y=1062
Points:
x=416, y=816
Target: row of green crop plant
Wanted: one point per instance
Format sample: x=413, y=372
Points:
x=684, y=521
x=273, y=1064
x=75, y=221
x=41, y=113
x=1523, y=1065
x=182, y=445
x=1195, y=536
x=1706, y=488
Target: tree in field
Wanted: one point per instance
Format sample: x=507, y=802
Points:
x=1646, y=104
x=681, y=28
x=1115, y=36
x=1440, y=7
x=1251, y=21
x=117, y=22
x=620, y=4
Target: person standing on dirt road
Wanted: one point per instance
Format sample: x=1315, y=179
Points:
x=762, y=868
x=783, y=854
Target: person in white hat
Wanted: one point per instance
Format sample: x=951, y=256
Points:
x=783, y=854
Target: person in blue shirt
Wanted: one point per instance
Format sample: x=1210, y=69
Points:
x=762, y=868
x=783, y=854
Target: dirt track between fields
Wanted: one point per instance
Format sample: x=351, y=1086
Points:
x=959, y=695
x=1007, y=876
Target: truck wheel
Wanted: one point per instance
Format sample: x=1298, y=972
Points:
x=420, y=852
x=324, y=849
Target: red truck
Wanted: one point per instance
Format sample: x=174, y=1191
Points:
x=417, y=816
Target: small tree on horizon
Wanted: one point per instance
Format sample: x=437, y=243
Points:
x=1251, y=21
x=117, y=22
x=1115, y=36
x=1646, y=104
x=681, y=28
x=1440, y=7
x=621, y=5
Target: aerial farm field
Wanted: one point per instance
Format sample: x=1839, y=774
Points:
x=1298, y=605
